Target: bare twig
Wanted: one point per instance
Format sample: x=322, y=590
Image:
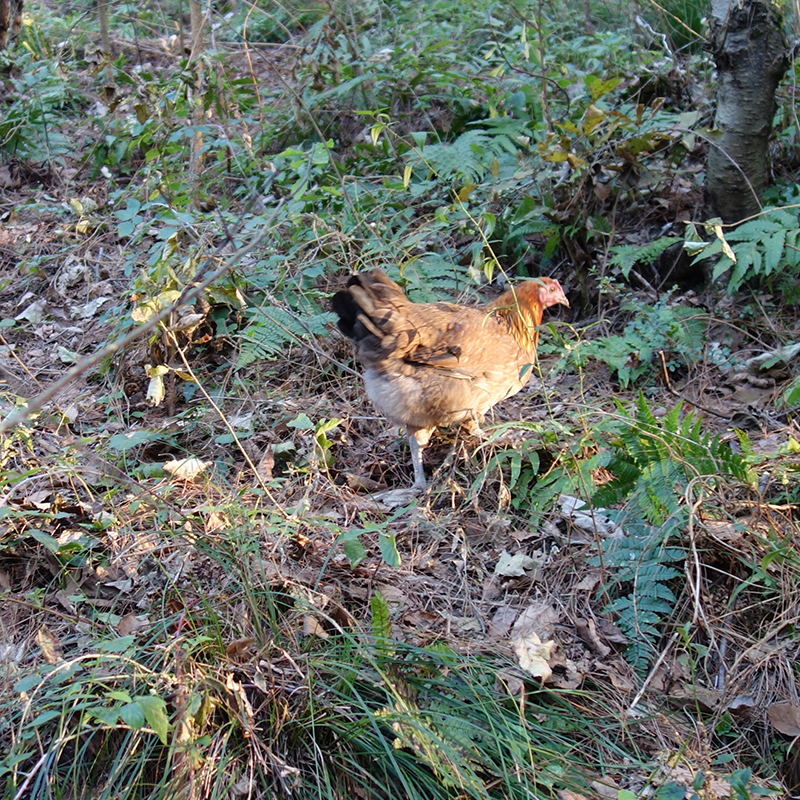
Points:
x=668, y=386
x=35, y=404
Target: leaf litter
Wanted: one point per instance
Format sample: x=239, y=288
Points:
x=467, y=568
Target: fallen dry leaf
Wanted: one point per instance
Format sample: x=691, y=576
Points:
x=50, y=647
x=510, y=684
x=587, y=630
x=785, y=718
x=463, y=624
x=265, y=465
x=606, y=788
x=515, y=566
x=533, y=655
x=215, y=522
x=611, y=633
x=123, y=586
x=311, y=627
x=591, y=520
x=361, y=483
x=34, y=313
x=502, y=620
x=40, y=500
x=239, y=649
x=742, y=703
x=186, y=469
x=619, y=673
x=6, y=179
x=130, y=624
x=538, y=617
x=692, y=696
x=589, y=582
x=394, y=596
x=570, y=681
x=724, y=531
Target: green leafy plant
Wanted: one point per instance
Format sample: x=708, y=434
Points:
x=322, y=456
x=270, y=329
x=474, y=154
x=41, y=98
x=676, y=331
x=652, y=463
x=626, y=257
x=765, y=248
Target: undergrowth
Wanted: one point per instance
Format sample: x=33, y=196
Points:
x=264, y=685
x=239, y=624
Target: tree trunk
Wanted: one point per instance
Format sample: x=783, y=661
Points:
x=10, y=17
x=196, y=158
x=749, y=49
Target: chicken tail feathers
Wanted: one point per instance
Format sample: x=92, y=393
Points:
x=365, y=306
x=346, y=308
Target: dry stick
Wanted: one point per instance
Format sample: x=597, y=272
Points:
x=189, y=293
x=653, y=670
x=676, y=393
x=694, y=578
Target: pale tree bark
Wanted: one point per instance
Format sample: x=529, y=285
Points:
x=750, y=51
x=196, y=159
x=102, y=16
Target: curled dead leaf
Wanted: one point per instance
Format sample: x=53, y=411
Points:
x=312, y=627
x=130, y=624
x=49, y=644
x=539, y=618
x=186, y=469
x=239, y=649
x=587, y=630
x=215, y=522
x=514, y=566
x=266, y=464
x=742, y=704
x=533, y=655
x=502, y=620
x=512, y=685
x=155, y=388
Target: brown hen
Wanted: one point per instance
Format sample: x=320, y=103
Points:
x=430, y=364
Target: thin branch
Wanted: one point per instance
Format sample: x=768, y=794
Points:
x=191, y=292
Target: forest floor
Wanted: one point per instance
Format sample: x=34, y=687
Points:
x=472, y=572
x=470, y=569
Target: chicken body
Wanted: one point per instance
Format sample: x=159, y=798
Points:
x=431, y=364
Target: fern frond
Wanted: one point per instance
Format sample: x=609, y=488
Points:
x=763, y=247
x=652, y=465
x=273, y=328
x=626, y=257
x=468, y=157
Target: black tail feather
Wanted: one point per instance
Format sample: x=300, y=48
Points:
x=347, y=309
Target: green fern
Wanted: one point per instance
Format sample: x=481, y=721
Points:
x=430, y=277
x=763, y=247
x=473, y=154
x=272, y=328
x=677, y=331
x=652, y=463
x=626, y=257
x=642, y=560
